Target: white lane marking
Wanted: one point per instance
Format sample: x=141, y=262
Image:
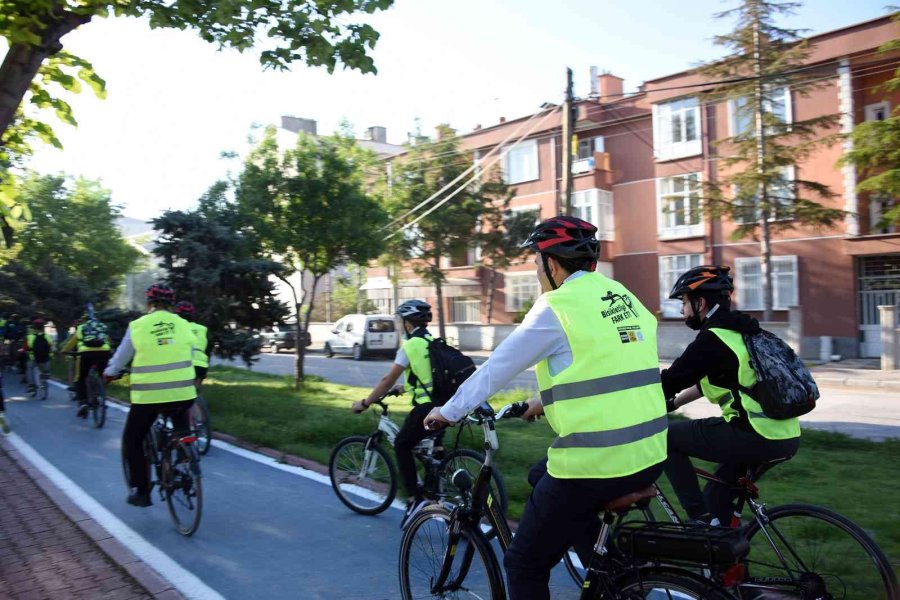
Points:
x=186, y=582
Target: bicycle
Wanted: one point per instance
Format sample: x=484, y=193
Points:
x=39, y=375
x=96, y=397
x=364, y=476
x=446, y=554
x=803, y=550
x=173, y=465
x=200, y=423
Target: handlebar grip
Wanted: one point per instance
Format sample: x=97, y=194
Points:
x=515, y=410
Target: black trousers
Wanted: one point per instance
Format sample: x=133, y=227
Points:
x=412, y=432
x=559, y=514
x=86, y=360
x=140, y=419
x=716, y=440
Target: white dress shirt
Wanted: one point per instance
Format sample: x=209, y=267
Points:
x=539, y=336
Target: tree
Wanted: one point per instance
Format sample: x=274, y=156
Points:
x=214, y=262
x=876, y=149
x=297, y=30
x=13, y=214
x=49, y=291
x=764, y=65
x=311, y=211
x=504, y=232
x=73, y=228
x=449, y=230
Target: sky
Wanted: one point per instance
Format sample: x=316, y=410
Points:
x=175, y=102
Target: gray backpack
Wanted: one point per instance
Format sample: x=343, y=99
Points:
x=784, y=388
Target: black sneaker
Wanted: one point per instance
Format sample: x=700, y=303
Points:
x=142, y=500
x=413, y=506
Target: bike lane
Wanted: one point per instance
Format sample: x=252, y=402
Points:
x=266, y=531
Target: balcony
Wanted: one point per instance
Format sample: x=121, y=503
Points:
x=597, y=166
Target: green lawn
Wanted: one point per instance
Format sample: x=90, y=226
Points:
x=856, y=478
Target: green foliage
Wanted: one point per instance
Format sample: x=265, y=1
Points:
x=50, y=292
x=520, y=314
x=73, y=228
x=344, y=297
x=14, y=213
x=216, y=263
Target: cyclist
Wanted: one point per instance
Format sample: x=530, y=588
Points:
x=186, y=310
x=91, y=342
x=159, y=347
x=38, y=348
x=411, y=359
x=717, y=365
x=594, y=345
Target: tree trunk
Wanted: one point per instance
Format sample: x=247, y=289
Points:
x=301, y=345
x=359, y=294
x=22, y=61
x=763, y=200
x=493, y=286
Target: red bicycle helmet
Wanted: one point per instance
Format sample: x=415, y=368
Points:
x=160, y=292
x=185, y=308
x=38, y=322
x=566, y=237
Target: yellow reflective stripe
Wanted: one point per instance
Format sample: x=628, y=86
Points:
x=159, y=368
x=601, y=385
x=612, y=437
x=166, y=385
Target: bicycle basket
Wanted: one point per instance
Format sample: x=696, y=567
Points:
x=682, y=543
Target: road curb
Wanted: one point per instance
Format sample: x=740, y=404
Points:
x=857, y=382
x=154, y=583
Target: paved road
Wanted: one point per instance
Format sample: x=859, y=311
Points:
x=266, y=532
x=869, y=413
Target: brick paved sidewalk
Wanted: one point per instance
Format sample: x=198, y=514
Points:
x=44, y=554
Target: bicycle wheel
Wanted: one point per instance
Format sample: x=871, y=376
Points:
x=666, y=583
x=471, y=461
x=363, y=475
x=826, y=556
x=201, y=424
x=474, y=573
x=182, y=488
x=97, y=399
x=573, y=564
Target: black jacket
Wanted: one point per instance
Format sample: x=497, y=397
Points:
x=709, y=356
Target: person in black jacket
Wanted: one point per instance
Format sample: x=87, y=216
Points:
x=716, y=364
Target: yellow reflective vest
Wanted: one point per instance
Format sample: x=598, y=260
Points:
x=200, y=358
x=162, y=369
x=416, y=349
x=772, y=429
x=607, y=408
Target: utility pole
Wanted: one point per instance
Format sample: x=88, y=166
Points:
x=568, y=131
x=765, y=259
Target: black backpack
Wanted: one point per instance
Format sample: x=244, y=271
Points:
x=449, y=368
x=785, y=388
x=41, y=348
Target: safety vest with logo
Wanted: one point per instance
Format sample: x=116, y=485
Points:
x=607, y=408
x=772, y=429
x=162, y=369
x=416, y=349
x=82, y=348
x=200, y=358
x=29, y=340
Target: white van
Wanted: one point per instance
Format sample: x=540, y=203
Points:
x=362, y=335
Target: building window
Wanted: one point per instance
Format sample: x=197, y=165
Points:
x=465, y=310
x=588, y=146
x=595, y=206
x=878, y=205
x=742, y=118
x=670, y=269
x=781, y=197
x=679, y=206
x=748, y=282
x=521, y=163
x=879, y=111
x=676, y=129
x=520, y=288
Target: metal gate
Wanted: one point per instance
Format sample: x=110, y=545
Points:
x=879, y=285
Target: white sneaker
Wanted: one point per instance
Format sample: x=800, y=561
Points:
x=413, y=506
x=4, y=426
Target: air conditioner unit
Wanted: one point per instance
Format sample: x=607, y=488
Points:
x=584, y=165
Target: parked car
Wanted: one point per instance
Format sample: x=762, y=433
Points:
x=281, y=337
x=363, y=335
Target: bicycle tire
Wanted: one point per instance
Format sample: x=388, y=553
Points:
x=576, y=572
x=367, y=495
x=474, y=552
x=471, y=461
x=182, y=487
x=98, y=400
x=843, y=568
x=665, y=582
x=201, y=425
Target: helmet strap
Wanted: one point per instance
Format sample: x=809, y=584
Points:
x=547, y=271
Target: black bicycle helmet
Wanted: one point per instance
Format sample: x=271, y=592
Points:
x=415, y=310
x=566, y=237
x=705, y=278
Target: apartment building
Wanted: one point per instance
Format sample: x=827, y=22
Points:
x=640, y=158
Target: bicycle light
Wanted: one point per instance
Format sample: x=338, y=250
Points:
x=462, y=480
